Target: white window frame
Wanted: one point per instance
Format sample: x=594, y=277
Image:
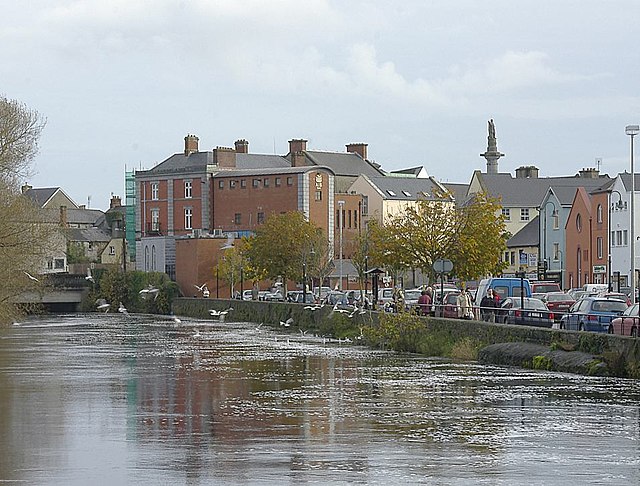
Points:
x=188, y=218
x=188, y=189
x=154, y=191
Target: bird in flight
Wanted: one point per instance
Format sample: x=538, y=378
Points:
x=287, y=323
x=102, y=305
x=31, y=277
x=149, y=290
x=229, y=243
x=122, y=309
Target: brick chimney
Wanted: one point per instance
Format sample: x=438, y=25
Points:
x=358, y=148
x=297, y=145
x=116, y=202
x=224, y=157
x=190, y=144
x=242, y=146
x=63, y=217
x=527, y=172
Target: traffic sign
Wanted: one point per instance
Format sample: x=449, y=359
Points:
x=442, y=265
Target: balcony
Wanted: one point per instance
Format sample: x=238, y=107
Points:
x=153, y=229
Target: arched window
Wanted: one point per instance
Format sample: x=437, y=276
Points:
x=599, y=213
x=153, y=258
x=579, y=223
x=146, y=258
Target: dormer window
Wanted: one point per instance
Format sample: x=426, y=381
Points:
x=406, y=193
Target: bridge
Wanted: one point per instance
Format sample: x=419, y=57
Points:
x=60, y=292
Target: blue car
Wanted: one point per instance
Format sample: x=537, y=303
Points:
x=592, y=314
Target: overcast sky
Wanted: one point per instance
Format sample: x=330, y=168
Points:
x=121, y=82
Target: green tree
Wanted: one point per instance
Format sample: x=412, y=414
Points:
x=25, y=235
x=280, y=245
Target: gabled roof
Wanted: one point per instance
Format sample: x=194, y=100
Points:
x=527, y=236
x=419, y=171
x=407, y=188
x=42, y=195
x=459, y=191
x=522, y=192
x=89, y=235
x=343, y=164
x=626, y=180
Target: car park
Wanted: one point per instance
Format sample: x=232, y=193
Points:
x=558, y=303
x=524, y=311
x=592, y=314
x=628, y=323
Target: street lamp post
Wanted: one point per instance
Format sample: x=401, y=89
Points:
x=304, y=282
x=632, y=131
x=544, y=240
x=618, y=206
x=341, y=223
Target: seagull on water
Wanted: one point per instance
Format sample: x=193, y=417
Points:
x=31, y=277
x=123, y=309
x=176, y=320
x=313, y=307
x=217, y=313
x=287, y=323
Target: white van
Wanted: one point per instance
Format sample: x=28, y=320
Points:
x=595, y=288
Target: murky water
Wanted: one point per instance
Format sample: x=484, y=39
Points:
x=100, y=399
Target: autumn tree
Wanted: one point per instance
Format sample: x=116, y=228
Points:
x=25, y=235
x=281, y=245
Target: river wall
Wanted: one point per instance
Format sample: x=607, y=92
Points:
x=502, y=344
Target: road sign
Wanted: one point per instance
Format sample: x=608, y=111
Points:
x=442, y=266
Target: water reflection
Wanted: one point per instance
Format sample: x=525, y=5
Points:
x=139, y=400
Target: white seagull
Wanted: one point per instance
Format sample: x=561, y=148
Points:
x=176, y=320
x=287, y=323
x=102, y=305
x=89, y=277
x=149, y=290
x=201, y=287
x=229, y=244
x=123, y=309
x=217, y=313
x=313, y=307
x=31, y=277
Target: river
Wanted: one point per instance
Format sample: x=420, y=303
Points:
x=110, y=399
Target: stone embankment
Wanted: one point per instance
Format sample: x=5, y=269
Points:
x=550, y=349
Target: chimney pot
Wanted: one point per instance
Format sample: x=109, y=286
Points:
x=115, y=202
x=190, y=144
x=242, y=146
x=358, y=148
x=297, y=145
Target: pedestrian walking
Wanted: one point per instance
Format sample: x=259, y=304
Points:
x=488, y=306
x=463, y=302
x=424, y=301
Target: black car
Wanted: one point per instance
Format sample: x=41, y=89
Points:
x=533, y=313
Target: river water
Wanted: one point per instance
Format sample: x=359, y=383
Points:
x=106, y=399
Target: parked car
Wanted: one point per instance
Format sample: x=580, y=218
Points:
x=578, y=294
x=534, y=312
x=385, y=295
x=450, y=308
x=504, y=287
x=298, y=297
x=627, y=324
x=545, y=287
x=592, y=314
x=617, y=296
x=558, y=303
x=411, y=297
x=247, y=294
x=274, y=295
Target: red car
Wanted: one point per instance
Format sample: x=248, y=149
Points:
x=451, y=305
x=627, y=324
x=558, y=303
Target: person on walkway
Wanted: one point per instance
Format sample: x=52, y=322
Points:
x=488, y=306
x=463, y=302
x=424, y=301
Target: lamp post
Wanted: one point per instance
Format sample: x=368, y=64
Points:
x=544, y=240
x=341, y=223
x=632, y=131
x=618, y=206
x=304, y=282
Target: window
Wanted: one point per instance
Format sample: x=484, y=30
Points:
x=506, y=257
x=579, y=223
x=624, y=238
x=599, y=214
x=221, y=184
x=556, y=220
x=556, y=252
x=232, y=184
x=187, y=189
x=256, y=182
x=349, y=218
x=391, y=193
x=154, y=191
x=365, y=205
x=512, y=259
x=406, y=193
x=318, y=195
x=289, y=181
x=524, y=214
x=506, y=212
x=155, y=219
x=58, y=263
x=112, y=250
x=243, y=183
x=146, y=259
x=355, y=219
x=265, y=182
x=188, y=215
x=153, y=258
x=237, y=218
x=260, y=218
x=618, y=239
x=599, y=247
x=278, y=181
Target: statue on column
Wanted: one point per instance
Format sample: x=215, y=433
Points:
x=492, y=129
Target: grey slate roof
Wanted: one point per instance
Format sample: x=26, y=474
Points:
x=626, y=180
x=344, y=164
x=260, y=161
x=459, y=191
x=412, y=171
x=41, y=195
x=527, y=236
x=267, y=171
x=194, y=162
x=90, y=235
x=406, y=188
x=530, y=191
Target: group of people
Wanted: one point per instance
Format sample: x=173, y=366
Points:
x=488, y=305
x=464, y=303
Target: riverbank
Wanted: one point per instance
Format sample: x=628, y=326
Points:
x=530, y=347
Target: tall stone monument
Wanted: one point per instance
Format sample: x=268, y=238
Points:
x=492, y=154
